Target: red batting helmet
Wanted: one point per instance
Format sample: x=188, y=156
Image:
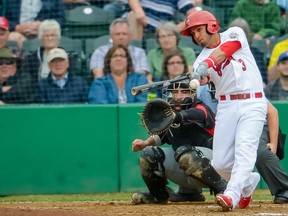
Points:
x=201, y=18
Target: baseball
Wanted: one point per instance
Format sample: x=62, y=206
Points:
x=194, y=84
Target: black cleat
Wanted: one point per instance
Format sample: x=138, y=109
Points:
x=190, y=197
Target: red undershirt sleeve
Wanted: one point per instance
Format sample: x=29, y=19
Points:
x=230, y=47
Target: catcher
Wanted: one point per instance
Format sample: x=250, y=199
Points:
x=189, y=128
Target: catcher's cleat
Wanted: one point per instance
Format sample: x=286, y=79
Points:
x=145, y=198
x=190, y=197
x=224, y=201
x=244, y=202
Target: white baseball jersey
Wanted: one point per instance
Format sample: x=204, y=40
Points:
x=239, y=123
x=238, y=73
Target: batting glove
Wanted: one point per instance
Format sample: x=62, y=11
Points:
x=202, y=69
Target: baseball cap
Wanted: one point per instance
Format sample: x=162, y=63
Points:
x=6, y=53
x=283, y=56
x=56, y=53
x=4, y=23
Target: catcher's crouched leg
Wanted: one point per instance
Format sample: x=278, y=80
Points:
x=193, y=162
x=153, y=174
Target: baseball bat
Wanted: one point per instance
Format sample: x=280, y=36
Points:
x=157, y=85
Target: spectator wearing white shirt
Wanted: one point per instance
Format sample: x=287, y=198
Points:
x=120, y=35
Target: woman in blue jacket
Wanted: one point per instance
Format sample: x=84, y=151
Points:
x=118, y=80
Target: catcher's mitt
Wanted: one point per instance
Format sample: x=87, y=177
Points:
x=157, y=116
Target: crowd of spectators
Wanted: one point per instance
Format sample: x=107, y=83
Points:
x=48, y=75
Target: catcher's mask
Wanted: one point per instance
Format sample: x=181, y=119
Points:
x=169, y=95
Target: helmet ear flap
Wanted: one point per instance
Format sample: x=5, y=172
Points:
x=213, y=27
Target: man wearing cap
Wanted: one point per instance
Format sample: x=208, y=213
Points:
x=278, y=89
x=61, y=86
x=15, y=86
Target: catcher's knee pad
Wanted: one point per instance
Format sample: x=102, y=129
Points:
x=191, y=160
x=151, y=159
x=195, y=164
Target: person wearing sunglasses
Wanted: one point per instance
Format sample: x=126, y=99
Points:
x=15, y=86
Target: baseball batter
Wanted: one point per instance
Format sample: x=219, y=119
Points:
x=242, y=105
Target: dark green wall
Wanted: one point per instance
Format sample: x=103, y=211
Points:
x=76, y=149
x=58, y=149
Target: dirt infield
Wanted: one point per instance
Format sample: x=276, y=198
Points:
x=125, y=208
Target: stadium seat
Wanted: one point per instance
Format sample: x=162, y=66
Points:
x=87, y=22
x=260, y=44
x=151, y=43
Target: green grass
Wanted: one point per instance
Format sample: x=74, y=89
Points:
x=105, y=197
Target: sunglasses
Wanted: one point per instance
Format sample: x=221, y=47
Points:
x=7, y=61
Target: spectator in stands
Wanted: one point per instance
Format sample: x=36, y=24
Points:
x=15, y=86
x=263, y=17
x=146, y=16
x=168, y=39
x=120, y=33
x=61, y=86
x=119, y=78
x=258, y=55
x=174, y=64
x=279, y=48
x=25, y=17
x=49, y=34
x=278, y=89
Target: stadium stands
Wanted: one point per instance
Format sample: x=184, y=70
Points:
x=87, y=22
